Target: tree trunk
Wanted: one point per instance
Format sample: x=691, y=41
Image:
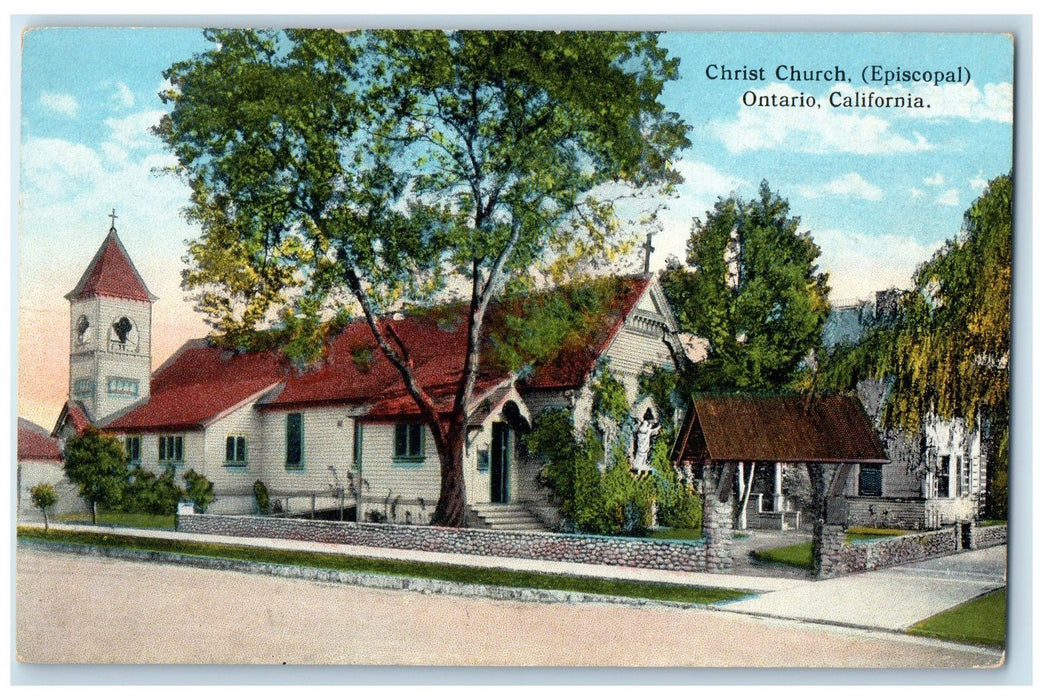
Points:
x=450, y=509
x=94, y=512
x=44, y=510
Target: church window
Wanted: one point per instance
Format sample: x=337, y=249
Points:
x=294, y=441
x=132, y=444
x=943, y=477
x=357, y=444
x=171, y=449
x=121, y=386
x=235, y=451
x=83, y=387
x=409, y=442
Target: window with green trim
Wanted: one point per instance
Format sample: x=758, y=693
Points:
x=171, y=449
x=357, y=444
x=235, y=451
x=132, y=445
x=409, y=442
x=294, y=440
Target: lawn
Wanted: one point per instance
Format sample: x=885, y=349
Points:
x=154, y=522
x=979, y=621
x=441, y=572
x=676, y=533
x=798, y=555
x=857, y=534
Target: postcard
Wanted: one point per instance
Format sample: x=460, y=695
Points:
x=512, y=348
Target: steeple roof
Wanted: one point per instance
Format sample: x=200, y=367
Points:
x=111, y=274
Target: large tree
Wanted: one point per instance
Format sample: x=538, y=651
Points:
x=381, y=167
x=946, y=352
x=753, y=293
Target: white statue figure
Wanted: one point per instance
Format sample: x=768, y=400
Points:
x=646, y=430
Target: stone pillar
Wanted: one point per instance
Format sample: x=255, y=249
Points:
x=718, y=516
x=822, y=476
x=828, y=555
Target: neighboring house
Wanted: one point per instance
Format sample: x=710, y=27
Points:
x=40, y=462
x=935, y=477
x=344, y=433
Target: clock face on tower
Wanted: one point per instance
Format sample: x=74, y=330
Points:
x=82, y=330
x=123, y=335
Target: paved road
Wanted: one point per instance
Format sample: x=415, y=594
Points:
x=81, y=609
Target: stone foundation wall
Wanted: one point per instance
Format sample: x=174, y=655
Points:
x=903, y=513
x=584, y=549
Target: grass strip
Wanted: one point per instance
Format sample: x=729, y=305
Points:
x=979, y=621
x=138, y=520
x=857, y=534
x=798, y=555
x=676, y=533
x=389, y=567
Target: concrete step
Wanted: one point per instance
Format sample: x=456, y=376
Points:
x=505, y=516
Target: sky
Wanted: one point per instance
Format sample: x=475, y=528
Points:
x=879, y=189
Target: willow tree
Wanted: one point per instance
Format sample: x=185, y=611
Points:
x=947, y=352
x=753, y=291
x=384, y=167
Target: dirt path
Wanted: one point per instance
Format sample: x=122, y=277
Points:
x=81, y=609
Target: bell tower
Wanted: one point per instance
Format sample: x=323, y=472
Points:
x=110, y=338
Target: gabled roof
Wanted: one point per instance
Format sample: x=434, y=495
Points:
x=831, y=429
x=111, y=273
x=199, y=384
x=35, y=444
x=75, y=415
x=202, y=382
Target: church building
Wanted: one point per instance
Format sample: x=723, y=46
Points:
x=345, y=434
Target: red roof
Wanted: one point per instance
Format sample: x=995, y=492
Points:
x=35, y=444
x=111, y=274
x=201, y=382
x=829, y=429
x=74, y=413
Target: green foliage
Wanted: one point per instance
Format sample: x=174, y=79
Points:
x=264, y=506
x=610, y=396
x=662, y=385
x=97, y=464
x=384, y=166
x=947, y=352
x=146, y=492
x=754, y=293
x=798, y=555
x=44, y=497
x=199, y=489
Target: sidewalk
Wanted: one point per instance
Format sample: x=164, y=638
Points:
x=890, y=599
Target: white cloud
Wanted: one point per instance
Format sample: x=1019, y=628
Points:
x=936, y=180
x=123, y=96
x=993, y=103
x=63, y=104
x=132, y=131
x=851, y=184
x=52, y=168
x=860, y=264
x=978, y=183
x=915, y=193
x=811, y=130
x=703, y=178
x=949, y=198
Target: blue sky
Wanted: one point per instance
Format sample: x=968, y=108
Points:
x=879, y=189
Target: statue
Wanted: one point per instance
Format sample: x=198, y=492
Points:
x=646, y=430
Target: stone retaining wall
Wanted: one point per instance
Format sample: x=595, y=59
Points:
x=839, y=557
x=982, y=537
x=583, y=549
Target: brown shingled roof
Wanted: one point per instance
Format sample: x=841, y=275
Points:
x=831, y=429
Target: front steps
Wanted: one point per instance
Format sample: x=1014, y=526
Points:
x=505, y=516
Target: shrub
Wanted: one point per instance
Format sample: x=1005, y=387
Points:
x=199, y=489
x=147, y=493
x=264, y=506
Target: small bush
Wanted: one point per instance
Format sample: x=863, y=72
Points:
x=199, y=489
x=264, y=506
x=147, y=493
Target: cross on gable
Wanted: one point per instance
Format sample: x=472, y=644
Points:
x=113, y=217
x=649, y=248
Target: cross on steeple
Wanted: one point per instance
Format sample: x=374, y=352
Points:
x=648, y=252
x=112, y=229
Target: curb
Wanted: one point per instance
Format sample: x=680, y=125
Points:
x=354, y=578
